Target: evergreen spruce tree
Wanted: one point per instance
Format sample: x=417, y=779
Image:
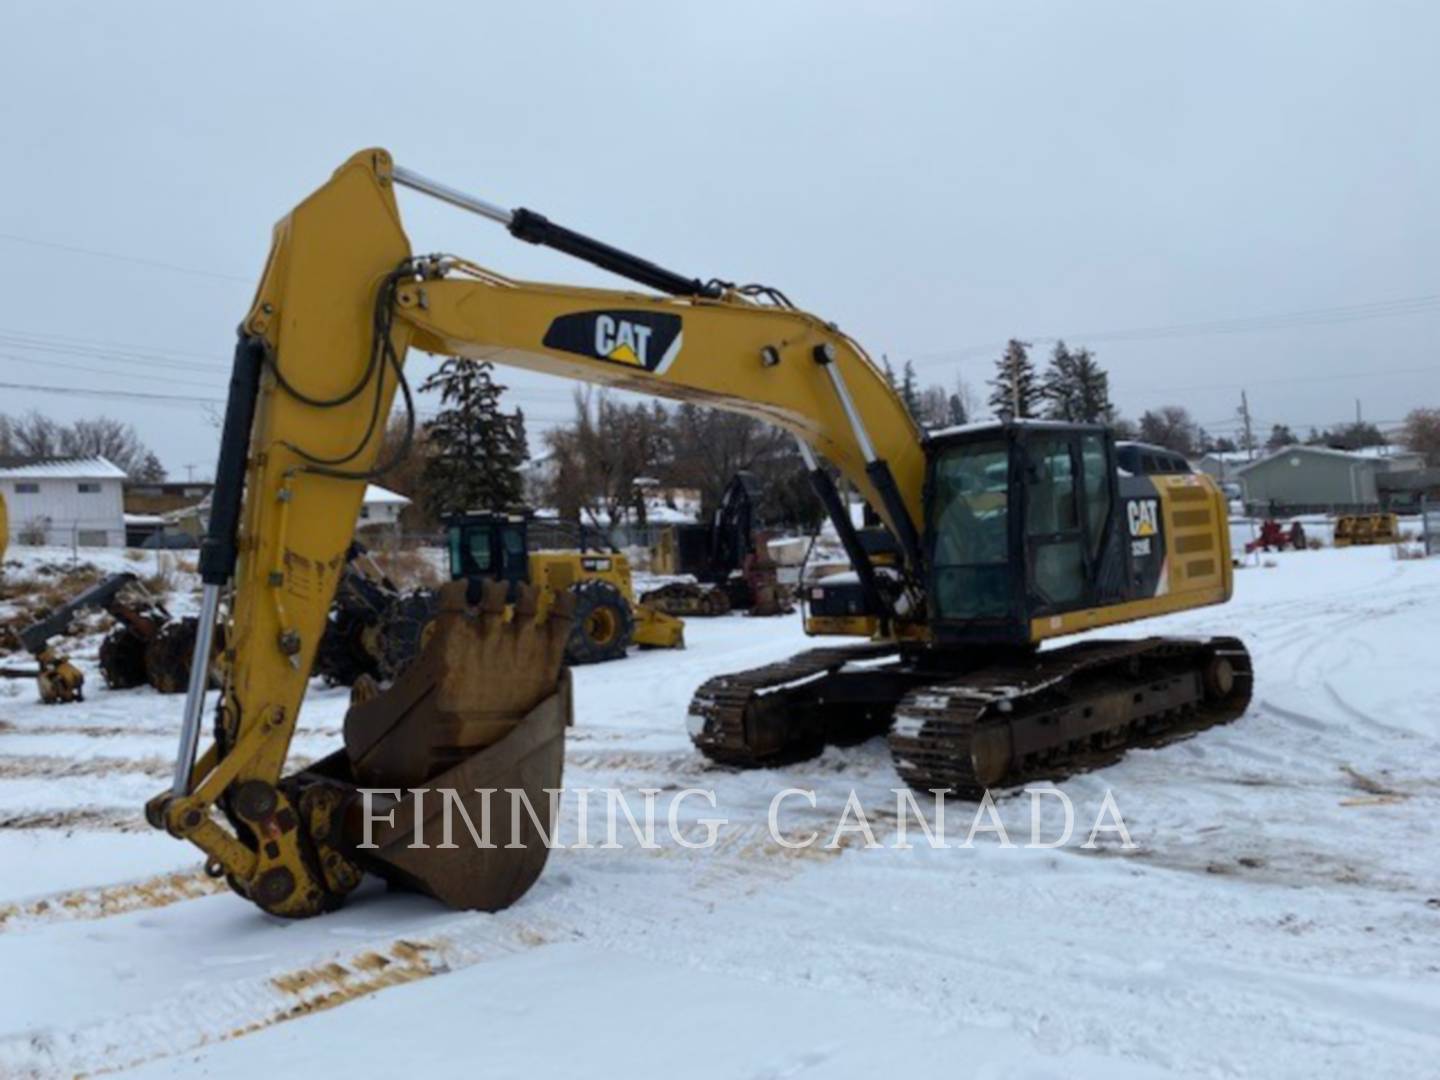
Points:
x=474, y=450
x=955, y=411
x=1077, y=389
x=1280, y=436
x=909, y=391
x=1015, y=383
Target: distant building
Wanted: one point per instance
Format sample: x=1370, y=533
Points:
x=165, y=496
x=1398, y=458
x=382, y=508
x=1316, y=478
x=65, y=501
x=1407, y=491
x=1223, y=466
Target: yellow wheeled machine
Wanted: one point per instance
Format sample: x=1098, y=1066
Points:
x=1359, y=529
x=1007, y=536
x=608, y=618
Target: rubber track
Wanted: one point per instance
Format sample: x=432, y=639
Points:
x=931, y=738
x=717, y=712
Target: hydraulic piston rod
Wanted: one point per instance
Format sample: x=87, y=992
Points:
x=536, y=228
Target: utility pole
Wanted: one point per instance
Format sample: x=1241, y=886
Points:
x=1015, y=385
x=189, y=473
x=1249, y=435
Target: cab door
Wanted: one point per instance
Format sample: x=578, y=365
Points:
x=1069, y=482
x=1057, y=562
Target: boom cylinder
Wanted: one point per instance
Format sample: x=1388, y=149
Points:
x=220, y=547
x=535, y=228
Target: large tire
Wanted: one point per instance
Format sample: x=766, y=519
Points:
x=403, y=630
x=604, y=624
x=346, y=649
x=122, y=658
x=168, y=654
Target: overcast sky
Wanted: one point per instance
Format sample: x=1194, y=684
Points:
x=934, y=177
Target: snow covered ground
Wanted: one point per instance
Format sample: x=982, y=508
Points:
x=1279, y=914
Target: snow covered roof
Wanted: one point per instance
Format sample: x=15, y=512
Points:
x=1227, y=456
x=375, y=495
x=1324, y=451
x=1387, y=450
x=59, y=468
x=986, y=425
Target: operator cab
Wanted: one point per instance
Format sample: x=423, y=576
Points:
x=1021, y=524
x=488, y=546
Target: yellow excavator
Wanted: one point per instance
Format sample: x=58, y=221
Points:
x=1006, y=536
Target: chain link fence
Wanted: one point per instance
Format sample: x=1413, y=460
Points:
x=1430, y=525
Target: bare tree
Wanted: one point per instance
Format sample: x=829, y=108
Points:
x=1422, y=433
x=596, y=460
x=113, y=440
x=1170, y=426
x=407, y=476
x=37, y=435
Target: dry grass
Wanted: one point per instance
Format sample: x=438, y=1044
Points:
x=34, y=595
x=166, y=578
x=48, y=589
x=409, y=568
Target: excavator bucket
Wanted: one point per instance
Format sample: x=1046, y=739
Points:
x=484, y=706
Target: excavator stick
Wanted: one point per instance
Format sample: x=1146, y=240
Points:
x=312, y=383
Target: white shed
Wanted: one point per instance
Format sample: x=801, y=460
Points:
x=381, y=507
x=65, y=501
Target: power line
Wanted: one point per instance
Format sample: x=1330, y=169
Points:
x=77, y=391
x=1284, y=380
x=156, y=264
x=102, y=371
x=90, y=346
x=1380, y=309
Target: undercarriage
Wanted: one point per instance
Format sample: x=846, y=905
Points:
x=967, y=722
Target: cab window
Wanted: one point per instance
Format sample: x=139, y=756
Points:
x=1095, y=474
x=1052, y=505
x=470, y=552
x=970, y=516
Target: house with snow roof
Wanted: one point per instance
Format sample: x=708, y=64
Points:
x=64, y=501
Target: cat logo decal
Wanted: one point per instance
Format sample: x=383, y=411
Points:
x=1144, y=516
x=649, y=340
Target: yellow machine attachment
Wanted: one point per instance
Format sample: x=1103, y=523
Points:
x=1359, y=529
x=1003, y=537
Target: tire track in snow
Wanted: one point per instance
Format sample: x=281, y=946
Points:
x=105, y=901
x=89, y=818
x=168, y=1025
x=56, y=767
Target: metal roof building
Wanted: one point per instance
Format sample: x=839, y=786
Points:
x=1314, y=478
x=64, y=501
